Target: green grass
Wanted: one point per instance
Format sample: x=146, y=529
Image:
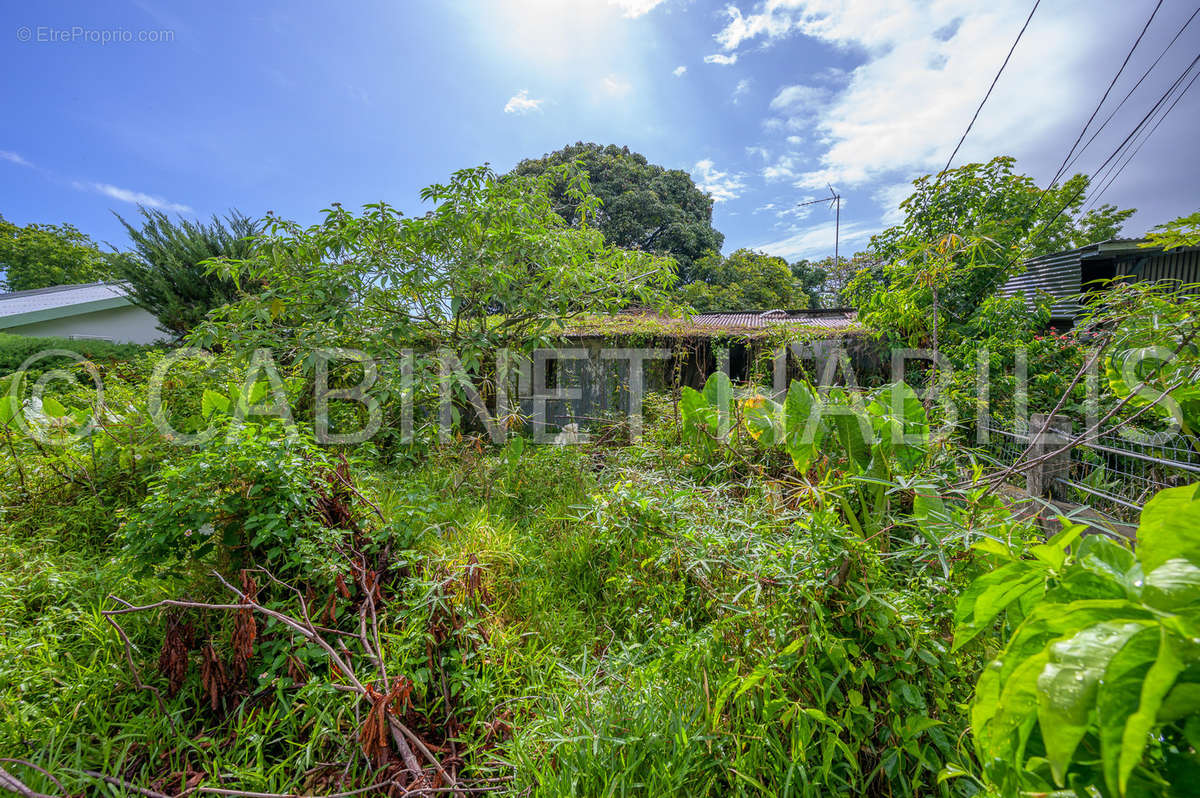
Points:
x=643, y=628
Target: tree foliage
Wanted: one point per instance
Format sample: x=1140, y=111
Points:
x=492, y=265
x=165, y=271
x=643, y=206
x=1181, y=232
x=991, y=200
x=749, y=280
x=997, y=218
x=44, y=255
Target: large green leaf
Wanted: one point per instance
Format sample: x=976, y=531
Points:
x=697, y=416
x=990, y=594
x=1118, y=695
x=1159, y=681
x=764, y=420
x=1003, y=716
x=901, y=425
x=1067, y=687
x=854, y=433
x=718, y=391
x=1173, y=585
x=1170, y=528
x=211, y=402
x=803, y=428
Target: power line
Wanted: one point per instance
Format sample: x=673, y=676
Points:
x=1121, y=147
x=1062, y=167
x=1099, y=105
x=1129, y=93
x=1096, y=198
x=995, y=80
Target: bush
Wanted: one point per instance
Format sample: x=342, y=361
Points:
x=16, y=349
x=252, y=495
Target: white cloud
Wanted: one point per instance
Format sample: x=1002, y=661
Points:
x=889, y=198
x=817, y=242
x=12, y=157
x=782, y=169
x=679, y=71
x=795, y=141
x=741, y=89
x=722, y=185
x=635, y=8
x=616, y=86
x=798, y=97
x=135, y=197
x=522, y=103
x=760, y=152
x=721, y=58
x=925, y=68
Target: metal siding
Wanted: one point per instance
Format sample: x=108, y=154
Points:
x=1057, y=275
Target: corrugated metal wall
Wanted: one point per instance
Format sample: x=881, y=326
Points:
x=1060, y=275
x=1182, y=266
x=1057, y=275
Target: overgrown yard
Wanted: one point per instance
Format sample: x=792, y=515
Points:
x=589, y=619
x=217, y=580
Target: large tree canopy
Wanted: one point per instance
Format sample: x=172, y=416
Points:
x=165, y=272
x=42, y=255
x=749, y=280
x=644, y=206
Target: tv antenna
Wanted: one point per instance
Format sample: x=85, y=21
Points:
x=835, y=201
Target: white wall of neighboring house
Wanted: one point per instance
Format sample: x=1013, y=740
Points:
x=126, y=325
x=95, y=310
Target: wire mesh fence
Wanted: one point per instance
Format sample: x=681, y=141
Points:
x=1115, y=473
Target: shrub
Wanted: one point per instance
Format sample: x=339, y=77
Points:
x=16, y=349
x=249, y=496
x=1096, y=686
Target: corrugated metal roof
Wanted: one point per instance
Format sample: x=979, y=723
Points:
x=59, y=301
x=833, y=319
x=1057, y=275
x=1061, y=274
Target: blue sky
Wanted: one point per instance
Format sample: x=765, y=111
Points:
x=291, y=106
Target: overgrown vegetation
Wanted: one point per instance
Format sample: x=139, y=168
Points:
x=816, y=593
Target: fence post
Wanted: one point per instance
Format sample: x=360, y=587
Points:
x=1049, y=433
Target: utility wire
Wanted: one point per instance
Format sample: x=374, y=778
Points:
x=995, y=80
x=1129, y=93
x=1121, y=147
x=1063, y=166
x=1133, y=154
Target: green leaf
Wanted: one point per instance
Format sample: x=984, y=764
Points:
x=53, y=408
x=901, y=425
x=1159, y=681
x=929, y=510
x=1173, y=585
x=718, y=391
x=1054, y=551
x=803, y=432
x=1118, y=695
x=764, y=420
x=1067, y=688
x=990, y=594
x=852, y=431
x=211, y=401
x=10, y=406
x=1170, y=528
